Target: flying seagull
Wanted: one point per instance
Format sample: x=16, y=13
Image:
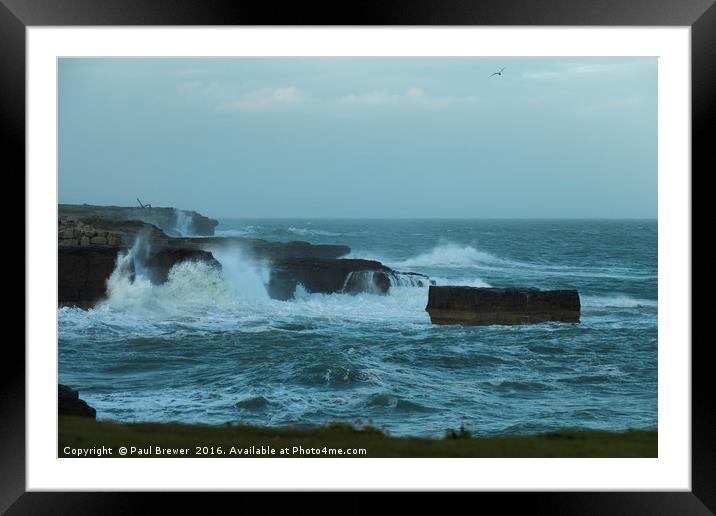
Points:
x=499, y=73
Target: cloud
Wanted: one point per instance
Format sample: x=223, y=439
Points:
x=607, y=105
x=192, y=71
x=264, y=99
x=412, y=97
x=228, y=98
x=584, y=70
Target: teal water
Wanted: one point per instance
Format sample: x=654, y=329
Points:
x=210, y=346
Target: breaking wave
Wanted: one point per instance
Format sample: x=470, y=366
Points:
x=189, y=283
x=452, y=255
x=311, y=232
x=461, y=256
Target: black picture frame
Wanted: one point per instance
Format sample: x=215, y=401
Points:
x=700, y=15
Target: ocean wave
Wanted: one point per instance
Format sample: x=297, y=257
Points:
x=616, y=301
x=461, y=256
x=232, y=232
x=253, y=403
x=311, y=232
x=396, y=403
x=452, y=255
x=516, y=385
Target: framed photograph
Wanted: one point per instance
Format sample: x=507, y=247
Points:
x=438, y=249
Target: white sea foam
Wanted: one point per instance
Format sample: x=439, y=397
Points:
x=312, y=232
x=457, y=282
x=616, y=301
x=463, y=256
x=452, y=255
x=188, y=284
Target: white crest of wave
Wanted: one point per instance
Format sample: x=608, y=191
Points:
x=451, y=255
x=460, y=282
x=616, y=301
x=313, y=232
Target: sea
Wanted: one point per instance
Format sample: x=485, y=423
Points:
x=209, y=346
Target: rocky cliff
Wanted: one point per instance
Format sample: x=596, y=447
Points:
x=90, y=240
x=172, y=221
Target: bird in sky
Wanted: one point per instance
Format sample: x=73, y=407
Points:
x=498, y=73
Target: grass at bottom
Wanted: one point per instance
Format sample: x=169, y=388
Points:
x=143, y=439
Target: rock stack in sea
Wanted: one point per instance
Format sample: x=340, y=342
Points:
x=481, y=306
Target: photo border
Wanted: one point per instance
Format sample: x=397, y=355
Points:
x=16, y=15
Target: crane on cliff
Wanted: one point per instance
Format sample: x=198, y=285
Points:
x=143, y=205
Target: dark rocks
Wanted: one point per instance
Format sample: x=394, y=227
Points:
x=370, y=281
x=329, y=276
x=472, y=305
x=82, y=274
x=265, y=250
x=70, y=404
x=326, y=276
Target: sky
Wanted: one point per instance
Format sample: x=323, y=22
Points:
x=362, y=137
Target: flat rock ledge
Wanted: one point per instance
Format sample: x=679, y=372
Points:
x=505, y=306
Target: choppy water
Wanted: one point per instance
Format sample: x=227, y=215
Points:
x=210, y=346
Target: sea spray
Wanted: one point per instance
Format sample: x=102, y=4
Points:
x=189, y=283
x=362, y=281
x=245, y=277
x=380, y=282
x=129, y=285
x=184, y=222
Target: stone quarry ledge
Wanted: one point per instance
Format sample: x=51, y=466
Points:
x=172, y=221
x=506, y=306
